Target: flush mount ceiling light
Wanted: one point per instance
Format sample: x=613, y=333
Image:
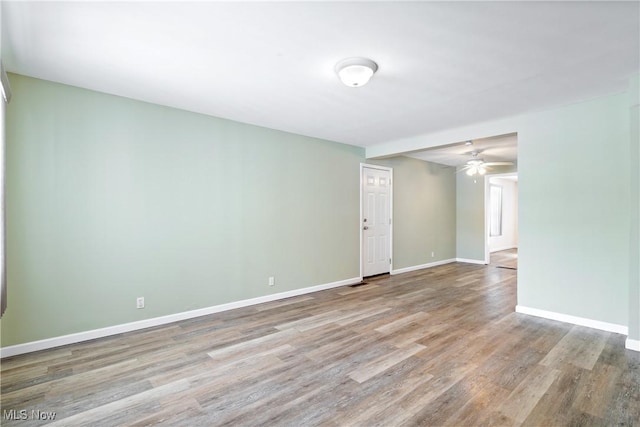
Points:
x=356, y=72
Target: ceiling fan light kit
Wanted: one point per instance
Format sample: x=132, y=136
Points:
x=356, y=72
x=473, y=170
x=477, y=166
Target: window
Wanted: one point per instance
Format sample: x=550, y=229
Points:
x=495, y=221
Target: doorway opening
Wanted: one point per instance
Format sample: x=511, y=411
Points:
x=501, y=220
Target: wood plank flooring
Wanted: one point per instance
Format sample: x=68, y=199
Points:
x=434, y=347
x=505, y=259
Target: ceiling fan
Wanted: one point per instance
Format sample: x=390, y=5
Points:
x=477, y=166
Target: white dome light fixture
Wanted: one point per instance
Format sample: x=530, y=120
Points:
x=356, y=72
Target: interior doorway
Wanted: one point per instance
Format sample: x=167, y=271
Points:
x=375, y=220
x=501, y=220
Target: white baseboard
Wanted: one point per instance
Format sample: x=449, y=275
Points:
x=590, y=323
x=422, y=266
x=162, y=320
x=471, y=261
x=632, y=344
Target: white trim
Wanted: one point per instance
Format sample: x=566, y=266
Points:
x=590, y=323
x=632, y=344
x=162, y=320
x=422, y=266
x=471, y=261
x=390, y=170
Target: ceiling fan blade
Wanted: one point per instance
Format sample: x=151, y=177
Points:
x=463, y=169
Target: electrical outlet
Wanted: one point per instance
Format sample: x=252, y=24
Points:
x=433, y=254
x=140, y=302
x=272, y=281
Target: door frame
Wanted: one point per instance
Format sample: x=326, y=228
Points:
x=361, y=217
x=487, y=209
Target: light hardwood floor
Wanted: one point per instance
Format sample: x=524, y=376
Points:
x=435, y=347
x=505, y=259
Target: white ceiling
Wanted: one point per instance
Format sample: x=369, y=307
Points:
x=441, y=64
x=503, y=148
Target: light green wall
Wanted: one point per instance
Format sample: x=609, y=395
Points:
x=574, y=210
x=634, y=253
x=574, y=206
x=470, y=217
x=424, y=211
x=110, y=199
x=470, y=214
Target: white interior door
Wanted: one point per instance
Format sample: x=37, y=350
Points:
x=376, y=221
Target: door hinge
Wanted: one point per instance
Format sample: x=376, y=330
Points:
x=389, y=260
x=389, y=221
